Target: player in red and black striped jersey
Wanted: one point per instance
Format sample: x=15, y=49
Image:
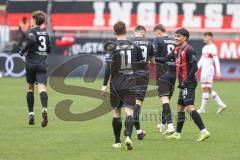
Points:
x=165, y=75
x=186, y=67
x=143, y=76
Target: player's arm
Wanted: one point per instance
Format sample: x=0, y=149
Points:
x=152, y=60
x=152, y=55
x=193, y=62
x=216, y=62
x=106, y=79
x=217, y=65
x=109, y=47
x=157, y=52
x=30, y=40
x=49, y=46
x=199, y=64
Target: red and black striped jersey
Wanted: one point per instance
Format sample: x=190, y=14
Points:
x=186, y=63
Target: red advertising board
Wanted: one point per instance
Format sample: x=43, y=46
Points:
x=101, y=15
x=228, y=49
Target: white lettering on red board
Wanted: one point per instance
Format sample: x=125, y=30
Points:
x=168, y=14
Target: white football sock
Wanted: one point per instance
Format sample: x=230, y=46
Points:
x=31, y=113
x=139, y=131
x=170, y=127
x=44, y=109
x=205, y=96
x=217, y=99
x=203, y=130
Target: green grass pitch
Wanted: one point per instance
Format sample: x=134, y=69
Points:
x=92, y=140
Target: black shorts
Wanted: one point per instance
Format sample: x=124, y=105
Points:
x=141, y=87
x=166, y=85
x=187, y=95
x=36, y=74
x=122, y=98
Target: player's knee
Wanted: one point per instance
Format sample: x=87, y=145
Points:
x=180, y=108
x=190, y=108
x=128, y=111
x=207, y=89
x=164, y=99
x=138, y=102
x=42, y=88
x=116, y=113
x=30, y=88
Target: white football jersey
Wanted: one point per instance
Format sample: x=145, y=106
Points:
x=208, y=52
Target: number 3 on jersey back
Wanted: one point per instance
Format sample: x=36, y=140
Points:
x=43, y=45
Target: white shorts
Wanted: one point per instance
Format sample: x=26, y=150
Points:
x=207, y=78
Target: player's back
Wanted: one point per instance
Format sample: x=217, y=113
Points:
x=208, y=52
x=146, y=47
x=163, y=46
x=124, y=63
x=40, y=46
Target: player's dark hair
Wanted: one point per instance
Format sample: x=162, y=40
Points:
x=208, y=34
x=159, y=27
x=183, y=32
x=39, y=17
x=140, y=28
x=120, y=28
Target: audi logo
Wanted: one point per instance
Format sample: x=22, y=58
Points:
x=9, y=64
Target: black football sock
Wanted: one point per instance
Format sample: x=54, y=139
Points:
x=30, y=101
x=168, y=113
x=164, y=117
x=180, y=121
x=129, y=125
x=44, y=99
x=136, y=114
x=117, y=127
x=197, y=119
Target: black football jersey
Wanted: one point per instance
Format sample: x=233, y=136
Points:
x=125, y=61
x=37, y=47
x=162, y=47
x=146, y=47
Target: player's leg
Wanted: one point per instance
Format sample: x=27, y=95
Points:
x=189, y=99
x=180, y=121
x=206, y=85
x=116, y=121
x=165, y=91
x=30, y=102
x=31, y=78
x=129, y=100
x=167, y=114
x=205, y=96
x=41, y=80
x=204, y=134
x=129, y=123
x=117, y=127
x=136, y=117
x=141, y=89
x=217, y=99
x=181, y=116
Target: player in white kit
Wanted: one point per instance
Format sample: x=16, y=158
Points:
x=208, y=59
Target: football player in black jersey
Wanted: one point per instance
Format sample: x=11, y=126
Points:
x=186, y=69
x=143, y=77
x=36, y=50
x=124, y=59
x=166, y=75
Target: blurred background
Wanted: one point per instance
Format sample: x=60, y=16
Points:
x=78, y=27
